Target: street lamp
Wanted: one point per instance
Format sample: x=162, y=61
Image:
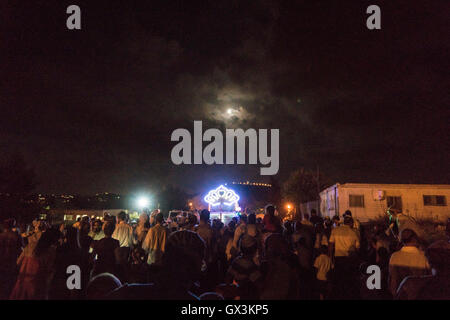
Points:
x=143, y=202
x=289, y=207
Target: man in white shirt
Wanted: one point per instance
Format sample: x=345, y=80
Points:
x=124, y=234
x=344, y=241
x=343, y=247
x=155, y=241
x=408, y=261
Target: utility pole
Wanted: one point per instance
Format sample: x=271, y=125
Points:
x=318, y=191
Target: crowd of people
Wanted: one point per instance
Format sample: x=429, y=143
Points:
x=188, y=256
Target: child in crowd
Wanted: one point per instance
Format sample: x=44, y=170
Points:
x=323, y=265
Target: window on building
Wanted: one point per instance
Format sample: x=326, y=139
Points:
x=394, y=203
x=356, y=201
x=431, y=200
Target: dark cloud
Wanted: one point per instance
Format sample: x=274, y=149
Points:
x=93, y=110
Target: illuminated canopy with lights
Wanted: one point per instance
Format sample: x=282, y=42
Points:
x=222, y=195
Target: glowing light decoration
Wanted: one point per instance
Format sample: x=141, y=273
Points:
x=222, y=195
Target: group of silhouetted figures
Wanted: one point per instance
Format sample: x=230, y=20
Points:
x=187, y=256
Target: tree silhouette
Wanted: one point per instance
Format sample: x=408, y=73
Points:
x=302, y=186
x=17, y=180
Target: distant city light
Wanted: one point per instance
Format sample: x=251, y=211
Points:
x=254, y=183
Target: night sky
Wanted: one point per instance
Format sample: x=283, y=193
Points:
x=92, y=110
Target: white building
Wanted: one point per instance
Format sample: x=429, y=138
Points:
x=370, y=201
x=71, y=215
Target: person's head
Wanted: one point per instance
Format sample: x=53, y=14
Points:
x=186, y=246
x=192, y=219
x=122, y=216
x=251, y=218
x=204, y=216
x=270, y=210
x=84, y=227
x=348, y=221
x=143, y=218
x=392, y=213
x=173, y=215
x=248, y=245
x=243, y=219
x=40, y=226
x=48, y=238
x=438, y=255
x=383, y=255
x=408, y=237
x=97, y=226
x=71, y=237
x=313, y=212
x=159, y=218
x=108, y=228
x=138, y=255
x=217, y=224
x=347, y=213
x=100, y=285
x=9, y=224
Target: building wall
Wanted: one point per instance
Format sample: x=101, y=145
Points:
x=70, y=215
x=308, y=206
x=329, y=202
x=411, y=196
